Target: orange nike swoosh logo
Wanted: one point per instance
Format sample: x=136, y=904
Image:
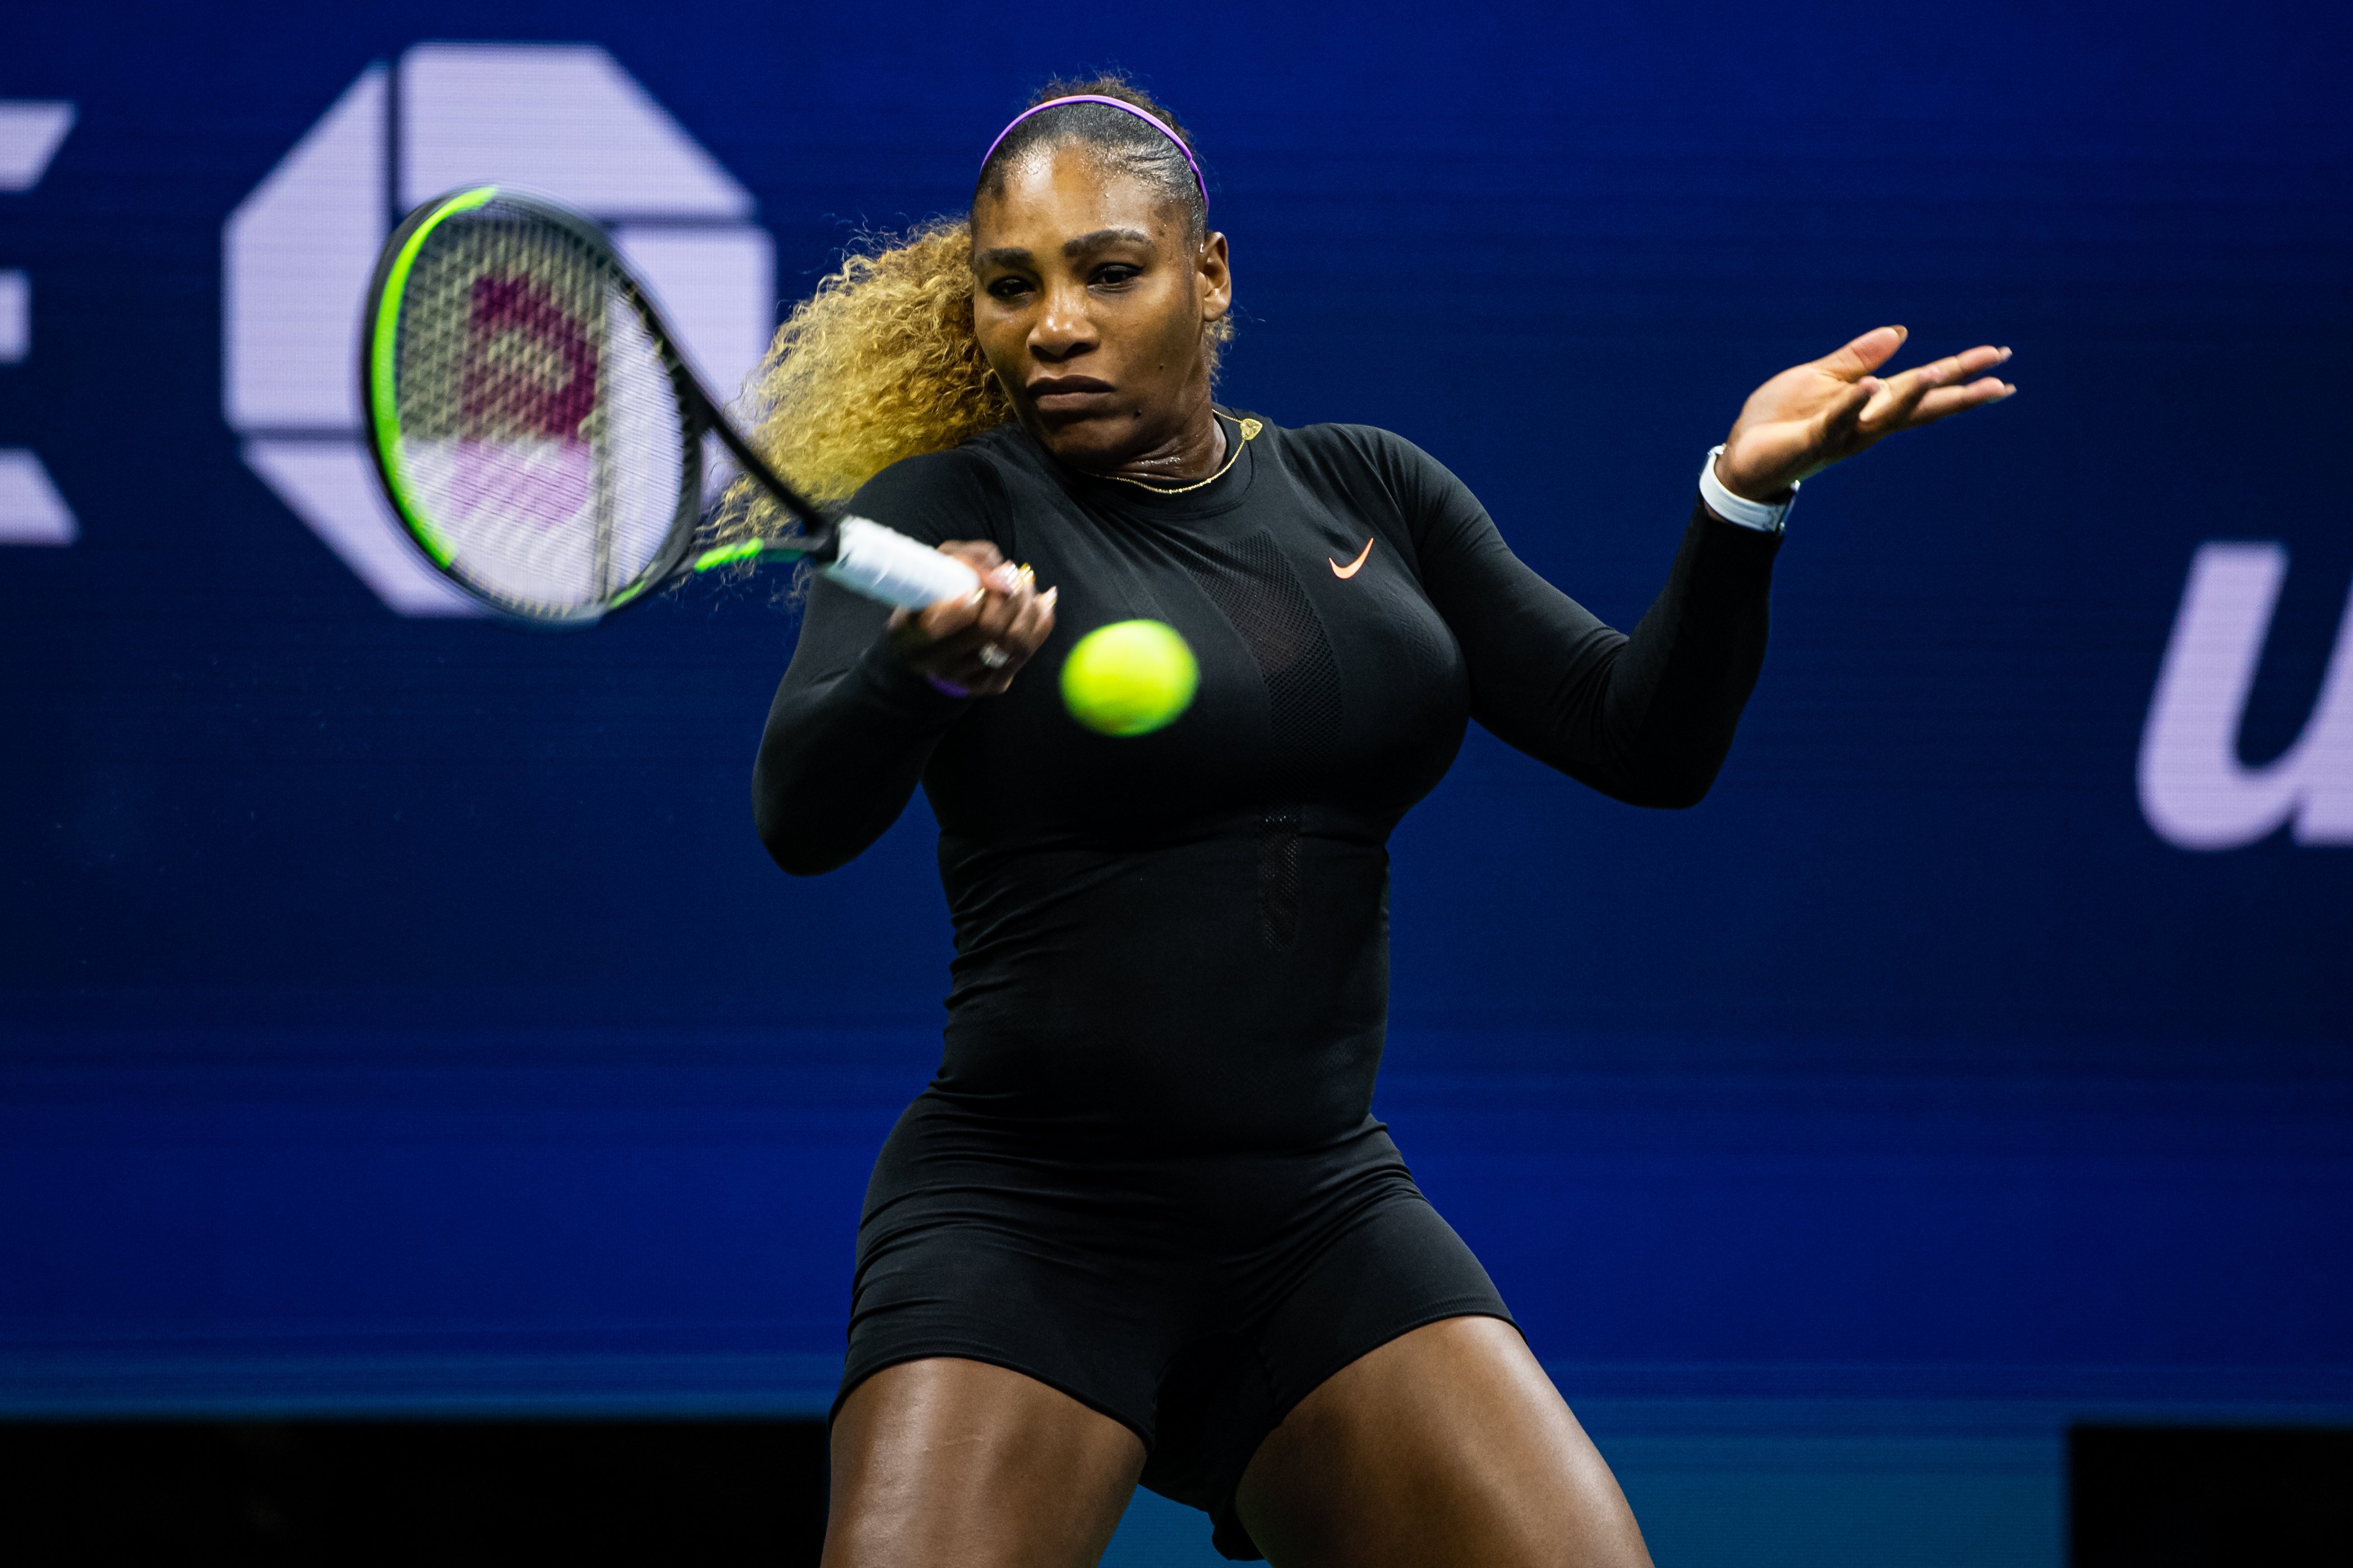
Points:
x=1344, y=573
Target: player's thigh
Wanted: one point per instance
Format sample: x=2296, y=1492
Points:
x=1446, y=1446
x=946, y=1463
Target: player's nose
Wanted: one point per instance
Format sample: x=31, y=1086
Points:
x=1062, y=328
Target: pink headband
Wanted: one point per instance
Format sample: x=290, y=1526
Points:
x=1119, y=103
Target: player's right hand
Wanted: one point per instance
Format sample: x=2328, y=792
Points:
x=978, y=643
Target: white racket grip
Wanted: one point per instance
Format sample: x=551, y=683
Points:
x=882, y=565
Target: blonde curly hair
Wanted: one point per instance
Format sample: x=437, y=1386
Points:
x=881, y=363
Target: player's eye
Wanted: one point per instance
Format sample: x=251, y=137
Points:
x=1009, y=287
x=1115, y=274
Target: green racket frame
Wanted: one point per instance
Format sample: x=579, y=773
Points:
x=378, y=363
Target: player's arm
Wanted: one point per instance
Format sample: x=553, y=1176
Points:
x=847, y=738
x=1648, y=718
x=871, y=691
x=868, y=696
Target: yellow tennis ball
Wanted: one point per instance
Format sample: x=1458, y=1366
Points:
x=1130, y=678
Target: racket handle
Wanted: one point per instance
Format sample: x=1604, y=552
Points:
x=872, y=560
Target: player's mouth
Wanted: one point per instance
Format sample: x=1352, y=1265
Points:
x=1069, y=394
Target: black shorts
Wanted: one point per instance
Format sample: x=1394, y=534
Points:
x=1193, y=1298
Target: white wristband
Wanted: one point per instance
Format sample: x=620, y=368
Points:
x=1756, y=514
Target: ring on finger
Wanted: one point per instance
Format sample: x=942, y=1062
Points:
x=994, y=656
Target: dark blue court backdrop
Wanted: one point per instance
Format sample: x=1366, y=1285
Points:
x=399, y=1013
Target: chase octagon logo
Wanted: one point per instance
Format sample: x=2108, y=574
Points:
x=564, y=119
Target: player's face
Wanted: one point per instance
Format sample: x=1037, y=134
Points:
x=1091, y=307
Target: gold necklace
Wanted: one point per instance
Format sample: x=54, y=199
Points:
x=1249, y=429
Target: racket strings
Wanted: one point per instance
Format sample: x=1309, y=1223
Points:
x=541, y=444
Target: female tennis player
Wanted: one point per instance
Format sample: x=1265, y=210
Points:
x=1143, y=1226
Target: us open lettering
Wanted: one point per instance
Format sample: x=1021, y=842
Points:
x=2194, y=789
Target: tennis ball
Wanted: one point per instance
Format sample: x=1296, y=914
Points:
x=1130, y=678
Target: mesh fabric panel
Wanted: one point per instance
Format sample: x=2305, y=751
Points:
x=1253, y=587
x=1255, y=590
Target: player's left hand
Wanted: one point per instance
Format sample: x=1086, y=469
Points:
x=1806, y=418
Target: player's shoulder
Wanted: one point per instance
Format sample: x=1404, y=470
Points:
x=1352, y=455
x=999, y=461
x=954, y=493
x=949, y=470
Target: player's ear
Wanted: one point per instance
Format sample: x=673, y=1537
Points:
x=1216, y=276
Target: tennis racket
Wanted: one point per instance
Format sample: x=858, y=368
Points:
x=540, y=436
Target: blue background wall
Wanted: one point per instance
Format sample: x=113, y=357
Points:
x=399, y=1014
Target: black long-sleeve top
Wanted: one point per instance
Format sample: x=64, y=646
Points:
x=1181, y=938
